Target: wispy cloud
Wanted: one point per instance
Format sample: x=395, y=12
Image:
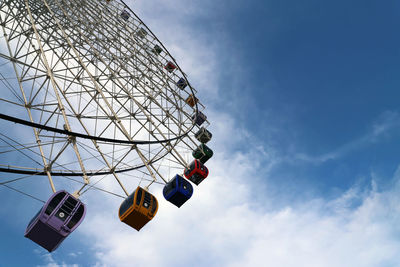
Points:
x=383, y=126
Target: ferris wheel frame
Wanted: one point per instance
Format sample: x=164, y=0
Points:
x=166, y=143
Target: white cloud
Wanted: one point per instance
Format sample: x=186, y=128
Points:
x=384, y=125
x=224, y=224
x=51, y=262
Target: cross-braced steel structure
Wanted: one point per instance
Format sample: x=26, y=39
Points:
x=87, y=90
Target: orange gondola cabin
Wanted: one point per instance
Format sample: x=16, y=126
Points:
x=191, y=100
x=138, y=208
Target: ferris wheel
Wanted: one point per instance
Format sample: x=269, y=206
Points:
x=92, y=100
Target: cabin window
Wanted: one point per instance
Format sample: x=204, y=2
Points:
x=169, y=187
x=178, y=181
x=126, y=204
x=139, y=196
x=201, y=167
x=66, y=209
x=54, y=202
x=77, y=217
x=192, y=165
x=147, y=200
x=187, y=171
x=189, y=188
x=154, y=207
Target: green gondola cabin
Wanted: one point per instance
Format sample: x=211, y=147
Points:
x=157, y=49
x=141, y=33
x=202, y=153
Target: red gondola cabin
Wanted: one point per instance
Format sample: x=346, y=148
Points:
x=196, y=172
x=170, y=66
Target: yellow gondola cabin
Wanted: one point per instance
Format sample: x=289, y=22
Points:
x=138, y=208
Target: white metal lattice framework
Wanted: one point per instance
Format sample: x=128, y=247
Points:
x=85, y=93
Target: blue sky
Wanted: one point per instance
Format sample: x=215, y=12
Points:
x=317, y=77
x=303, y=102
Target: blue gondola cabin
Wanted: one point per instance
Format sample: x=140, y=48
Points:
x=170, y=67
x=196, y=172
x=57, y=219
x=178, y=191
x=199, y=118
x=138, y=208
x=203, y=135
x=125, y=15
x=181, y=83
x=202, y=153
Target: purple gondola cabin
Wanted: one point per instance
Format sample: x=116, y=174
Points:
x=58, y=218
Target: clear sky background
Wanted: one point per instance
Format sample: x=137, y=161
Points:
x=303, y=98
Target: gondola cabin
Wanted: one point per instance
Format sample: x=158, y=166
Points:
x=138, y=208
x=170, y=66
x=178, y=191
x=58, y=218
x=141, y=33
x=199, y=118
x=196, y=172
x=181, y=83
x=191, y=100
x=125, y=15
x=203, y=135
x=202, y=153
x=157, y=49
